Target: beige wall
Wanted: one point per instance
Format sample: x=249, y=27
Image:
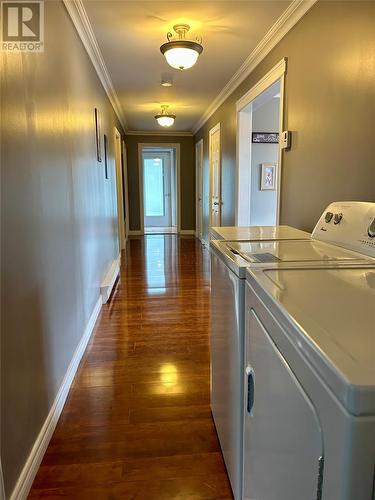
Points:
x=59, y=225
x=187, y=177
x=330, y=107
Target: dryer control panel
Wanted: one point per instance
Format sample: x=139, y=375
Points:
x=349, y=224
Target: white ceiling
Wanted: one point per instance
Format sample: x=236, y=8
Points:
x=130, y=32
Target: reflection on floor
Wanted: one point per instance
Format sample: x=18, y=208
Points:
x=160, y=230
x=137, y=423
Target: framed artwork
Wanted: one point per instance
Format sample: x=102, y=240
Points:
x=268, y=176
x=98, y=135
x=105, y=156
x=265, y=137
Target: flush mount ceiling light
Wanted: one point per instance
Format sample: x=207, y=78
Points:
x=164, y=118
x=166, y=80
x=181, y=53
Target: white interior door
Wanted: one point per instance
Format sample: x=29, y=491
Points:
x=199, y=173
x=215, y=175
x=157, y=189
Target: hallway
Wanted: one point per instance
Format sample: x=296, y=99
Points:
x=137, y=422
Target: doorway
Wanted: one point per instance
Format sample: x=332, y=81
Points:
x=215, y=175
x=120, y=192
x=159, y=189
x=259, y=157
x=199, y=189
x=126, y=188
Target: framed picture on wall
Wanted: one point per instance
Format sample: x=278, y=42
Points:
x=265, y=137
x=98, y=136
x=105, y=156
x=268, y=176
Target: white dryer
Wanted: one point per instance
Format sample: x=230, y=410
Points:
x=229, y=261
x=310, y=384
x=310, y=375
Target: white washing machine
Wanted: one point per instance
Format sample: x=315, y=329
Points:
x=236, y=233
x=229, y=261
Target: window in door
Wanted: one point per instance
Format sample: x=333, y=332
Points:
x=157, y=189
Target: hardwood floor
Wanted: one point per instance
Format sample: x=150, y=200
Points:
x=137, y=423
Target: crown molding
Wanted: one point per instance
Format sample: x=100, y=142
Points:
x=289, y=18
x=166, y=133
x=78, y=14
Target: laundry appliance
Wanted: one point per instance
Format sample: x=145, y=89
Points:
x=332, y=244
x=310, y=384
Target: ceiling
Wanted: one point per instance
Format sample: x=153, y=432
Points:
x=130, y=32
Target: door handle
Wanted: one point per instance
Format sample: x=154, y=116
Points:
x=216, y=203
x=250, y=389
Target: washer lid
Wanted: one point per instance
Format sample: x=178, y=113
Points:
x=298, y=251
x=332, y=314
x=236, y=233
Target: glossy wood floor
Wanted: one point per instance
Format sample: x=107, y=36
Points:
x=137, y=423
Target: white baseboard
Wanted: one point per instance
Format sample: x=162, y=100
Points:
x=187, y=231
x=109, y=279
x=135, y=233
x=26, y=478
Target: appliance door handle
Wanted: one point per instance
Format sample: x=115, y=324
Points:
x=250, y=375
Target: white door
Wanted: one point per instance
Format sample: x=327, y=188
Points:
x=199, y=174
x=157, y=189
x=215, y=176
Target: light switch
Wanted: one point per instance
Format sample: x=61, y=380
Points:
x=286, y=139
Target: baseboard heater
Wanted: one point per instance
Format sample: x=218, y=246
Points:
x=110, y=279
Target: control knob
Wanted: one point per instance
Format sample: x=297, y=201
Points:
x=337, y=219
x=328, y=217
x=371, y=229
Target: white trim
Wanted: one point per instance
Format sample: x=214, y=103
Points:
x=266, y=81
x=109, y=280
x=168, y=133
x=119, y=176
x=166, y=145
x=198, y=213
x=26, y=478
x=135, y=233
x=187, y=231
x=281, y=151
x=2, y=489
x=289, y=18
x=126, y=187
x=78, y=14
x=277, y=73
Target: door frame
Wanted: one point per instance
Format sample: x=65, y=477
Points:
x=119, y=191
x=167, y=157
x=277, y=73
x=156, y=145
x=211, y=132
x=199, y=189
x=126, y=187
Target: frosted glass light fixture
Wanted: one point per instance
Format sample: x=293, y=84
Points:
x=181, y=53
x=164, y=118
